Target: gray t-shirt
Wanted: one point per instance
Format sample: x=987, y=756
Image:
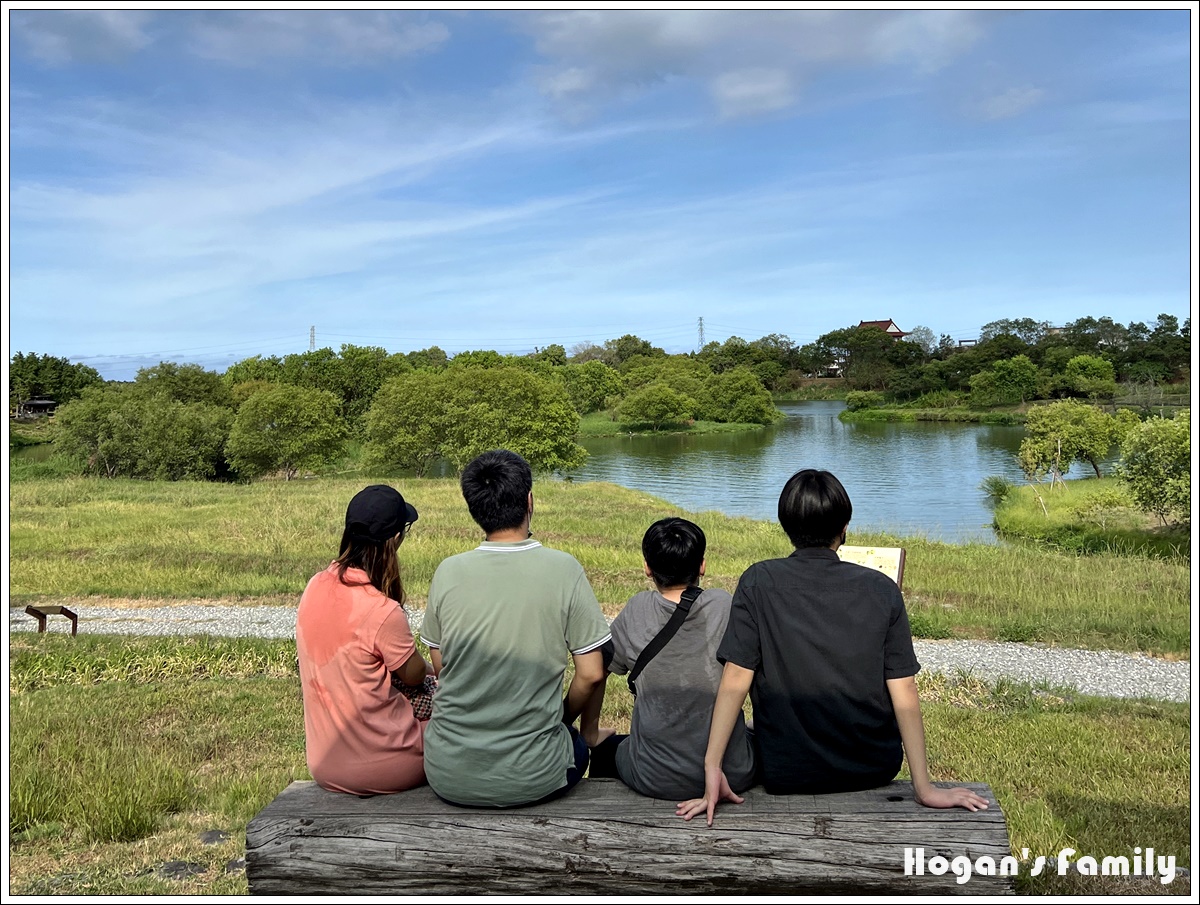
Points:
x=664, y=754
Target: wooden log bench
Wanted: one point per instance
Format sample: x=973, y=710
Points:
x=603, y=838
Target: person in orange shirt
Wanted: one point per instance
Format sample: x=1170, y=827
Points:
x=352, y=638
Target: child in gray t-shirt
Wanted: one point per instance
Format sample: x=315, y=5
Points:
x=663, y=755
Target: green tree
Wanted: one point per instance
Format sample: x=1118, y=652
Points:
x=185, y=383
x=510, y=408
x=482, y=358
x=254, y=368
x=626, y=347
x=590, y=384
x=656, y=405
x=127, y=431
x=553, y=354
x=1008, y=381
x=1091, y=376
x=1066, y=431
x=285, y=429
x=406, y=424
x=1156, y=458
x=462, y=412
x=431, y=359
x=737, y=397
x=1026, y=329
x=34, y=375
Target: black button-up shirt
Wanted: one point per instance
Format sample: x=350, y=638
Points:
x=823, y=637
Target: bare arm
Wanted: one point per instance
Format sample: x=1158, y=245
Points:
x=735, y=685
x=435, y=656
x=413, y=670
x=589, y=676
x=589, y=719
x=907, y=705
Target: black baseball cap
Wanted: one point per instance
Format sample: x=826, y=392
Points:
x=378, y=513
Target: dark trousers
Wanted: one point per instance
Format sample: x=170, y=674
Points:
x=604, y=758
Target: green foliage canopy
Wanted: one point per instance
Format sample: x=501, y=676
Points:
x=285, y=429
x=185, y=383
x=737, y=396
x=655, y=404
x=459, y=413
x=126, y=431
x=45, y=375
x=1156, y=457
x=1062, y=432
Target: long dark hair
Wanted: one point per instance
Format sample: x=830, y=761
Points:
x=378, y=560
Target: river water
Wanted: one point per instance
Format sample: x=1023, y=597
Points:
x=920, y=478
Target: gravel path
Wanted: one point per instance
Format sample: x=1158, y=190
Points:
x=1105, y=673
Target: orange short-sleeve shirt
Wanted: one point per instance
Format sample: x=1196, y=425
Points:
x=360, y=734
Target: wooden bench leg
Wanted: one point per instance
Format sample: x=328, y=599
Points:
x=41, y=614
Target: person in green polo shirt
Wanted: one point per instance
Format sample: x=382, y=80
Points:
x=500, y=623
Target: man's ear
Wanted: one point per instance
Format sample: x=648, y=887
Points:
x=646, y=569
x=703, y=566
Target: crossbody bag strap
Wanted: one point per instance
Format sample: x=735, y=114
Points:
x=659, y=641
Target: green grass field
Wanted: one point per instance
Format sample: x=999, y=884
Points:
x=90, y=540
x=123, y=750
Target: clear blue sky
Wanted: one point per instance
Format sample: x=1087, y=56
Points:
x=202, y=186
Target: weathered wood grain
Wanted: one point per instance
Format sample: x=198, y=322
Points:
x=604, y=838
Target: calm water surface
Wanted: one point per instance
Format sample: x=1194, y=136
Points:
x=920, y=478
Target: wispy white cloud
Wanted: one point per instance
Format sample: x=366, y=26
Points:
x=748, y=61
x=59, y=37
x=344, y=38
x=1009, y=103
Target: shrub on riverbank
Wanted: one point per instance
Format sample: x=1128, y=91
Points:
x=962, y=415
x=1090, y=515
x=113, y=777
x=82, y=538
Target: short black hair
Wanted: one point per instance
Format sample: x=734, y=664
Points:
x=496, y=486
x=814, y=508
x=674, y=550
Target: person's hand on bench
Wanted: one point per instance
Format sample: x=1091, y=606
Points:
x=716, y=788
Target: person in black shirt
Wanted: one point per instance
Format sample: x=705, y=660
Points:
x=824, y=650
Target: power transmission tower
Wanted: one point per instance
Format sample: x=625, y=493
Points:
x=700, y=335
x=312, y=339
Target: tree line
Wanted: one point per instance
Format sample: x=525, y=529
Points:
x=408, y=410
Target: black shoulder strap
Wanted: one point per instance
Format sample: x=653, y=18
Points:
x=659, y=641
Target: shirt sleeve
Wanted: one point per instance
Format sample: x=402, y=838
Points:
x=621, y=661
x=394, y=641
x=742, y=645
x=586, y=627
x=431, y=629
x=899, y=658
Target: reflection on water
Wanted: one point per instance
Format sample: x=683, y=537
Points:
x=920, y=478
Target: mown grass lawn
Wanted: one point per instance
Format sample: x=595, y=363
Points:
x=125, y=750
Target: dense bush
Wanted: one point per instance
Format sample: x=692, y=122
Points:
x=458, y=413
x=285, y=429
x=1156, y=464
x=129, y=432
x=857, y=400
x=655, y=405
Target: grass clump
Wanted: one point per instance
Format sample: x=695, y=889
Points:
x=38, y=661
x=1090, y=515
